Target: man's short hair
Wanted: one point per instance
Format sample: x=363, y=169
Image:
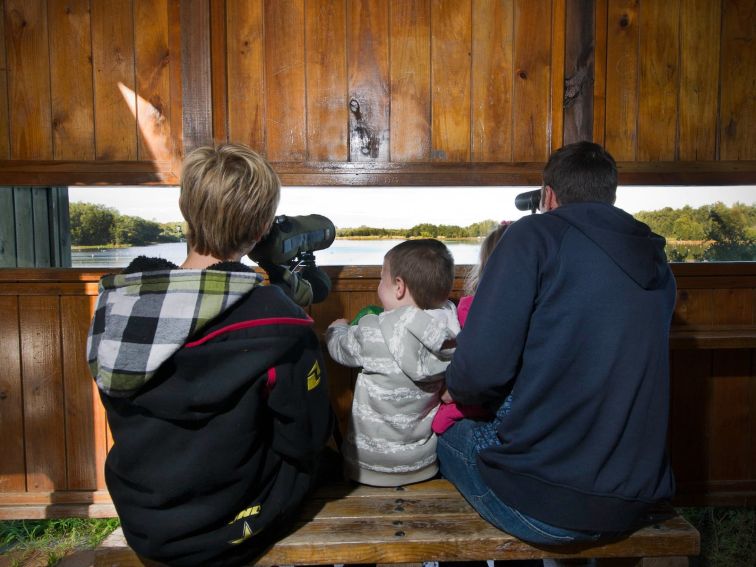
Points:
x=229, y=195
x=581, y=172
x=427, y=268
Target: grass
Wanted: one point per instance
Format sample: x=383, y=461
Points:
x=728, y=537
x=52, y=539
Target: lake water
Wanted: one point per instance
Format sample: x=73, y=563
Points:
x=341, y=253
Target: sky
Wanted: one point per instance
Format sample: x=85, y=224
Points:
x=404, y=207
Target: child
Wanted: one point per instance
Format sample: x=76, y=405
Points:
x=449, y=412
x=389, y=441
x=212, y=382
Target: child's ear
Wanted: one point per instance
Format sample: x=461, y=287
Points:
x=400, y=288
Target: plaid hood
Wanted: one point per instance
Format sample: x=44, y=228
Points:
x=142, y=319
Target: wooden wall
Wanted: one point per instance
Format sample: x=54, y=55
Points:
x=377, y=92
x=55, y=436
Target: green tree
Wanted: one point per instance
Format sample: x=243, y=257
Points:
x=91, y=224
x=134, y=231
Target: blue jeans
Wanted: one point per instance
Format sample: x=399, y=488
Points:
x=458, y=460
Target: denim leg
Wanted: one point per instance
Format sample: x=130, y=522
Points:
x=458, y=461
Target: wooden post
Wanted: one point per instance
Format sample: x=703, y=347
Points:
x=579, y=70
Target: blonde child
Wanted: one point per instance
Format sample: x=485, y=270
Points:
x=449, y=411
x=389, y=441
x=212, y=381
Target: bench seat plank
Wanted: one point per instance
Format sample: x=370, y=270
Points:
x=424, y=522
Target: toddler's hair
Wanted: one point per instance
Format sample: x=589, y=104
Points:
x=486, y=249
x=427, y=268
x=229, y=195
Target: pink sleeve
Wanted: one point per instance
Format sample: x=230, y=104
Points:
x=463, y=308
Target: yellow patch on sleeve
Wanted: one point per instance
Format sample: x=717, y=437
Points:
x=246, y=534
x=313, y=377
x=253, y=511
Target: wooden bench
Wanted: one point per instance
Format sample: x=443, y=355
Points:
x=429, y=521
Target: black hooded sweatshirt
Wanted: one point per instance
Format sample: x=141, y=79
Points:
x=572, y=316
x=213, y=452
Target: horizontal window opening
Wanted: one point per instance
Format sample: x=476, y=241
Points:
x=112, y=225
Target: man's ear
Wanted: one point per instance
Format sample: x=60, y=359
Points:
x=549, y=199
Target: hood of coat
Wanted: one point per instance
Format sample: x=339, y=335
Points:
x=415, y=338
x=630, y=244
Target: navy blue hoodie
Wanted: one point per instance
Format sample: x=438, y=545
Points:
x=572, y=316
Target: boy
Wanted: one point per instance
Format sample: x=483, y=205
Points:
x=389, y=441
x=212, y=382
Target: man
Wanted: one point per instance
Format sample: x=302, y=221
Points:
x=569, y=329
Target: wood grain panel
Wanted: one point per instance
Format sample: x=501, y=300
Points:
x=326, y=51
x=7, y=229
x=196, y=74
x=599, y=77
x=44, y=409
x=85, y=422
x=737, y=135
x=730, y=419
x=699, y=78
x=4, y=121
x=152, y=57
x=557, y=70
x=286, y=123
x=532, y=81
x=621, y=125
x=71, y=79
x=410, y=80
x=694, y=307
x=246, y=73
x=23, y=209
x=368, y=75
x=219, y=60
x=492, y=77
x=451, y=47
x=113, y=58
x=579, y=47
x=659, y=80
x=41, y=226
x=26, y=39
x=12, y=466
x=733, y=306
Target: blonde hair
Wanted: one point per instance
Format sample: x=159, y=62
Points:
x=486, y=249
x=229, y=196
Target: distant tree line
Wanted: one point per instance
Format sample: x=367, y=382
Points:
x=711, y=232
x=424, y=230
x=99, y=225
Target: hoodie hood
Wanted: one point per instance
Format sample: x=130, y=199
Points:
x=143, y=318
x=415, y=337
x=629, y=243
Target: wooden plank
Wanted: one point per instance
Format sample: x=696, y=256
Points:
x=153, y=87
x=59, y=172
x=326, y=52
x=26, y=40
x=694, y=307
x=61, y=227
x=246, y=73
x=600, y=65
x=733, y=307
x=579, y=70
x=71, y=79
x=622, y=62
x=737, y=113
x=368, y=77
x=7, y=229
x=113, y=59
x=451, y=46
x=4, y=119
x=286, y=122
x=85, y=424
x=532, y=81
x=557, y=75
x=492, y=78
x=12, y=465
x=23, y=209
x=729, y=416
x=175, y=77
x=44, y=410
x=699, y=78
x=196, y=83
x=41, y=223
x=658, y=80
x=410, y=130
x=219, y=56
